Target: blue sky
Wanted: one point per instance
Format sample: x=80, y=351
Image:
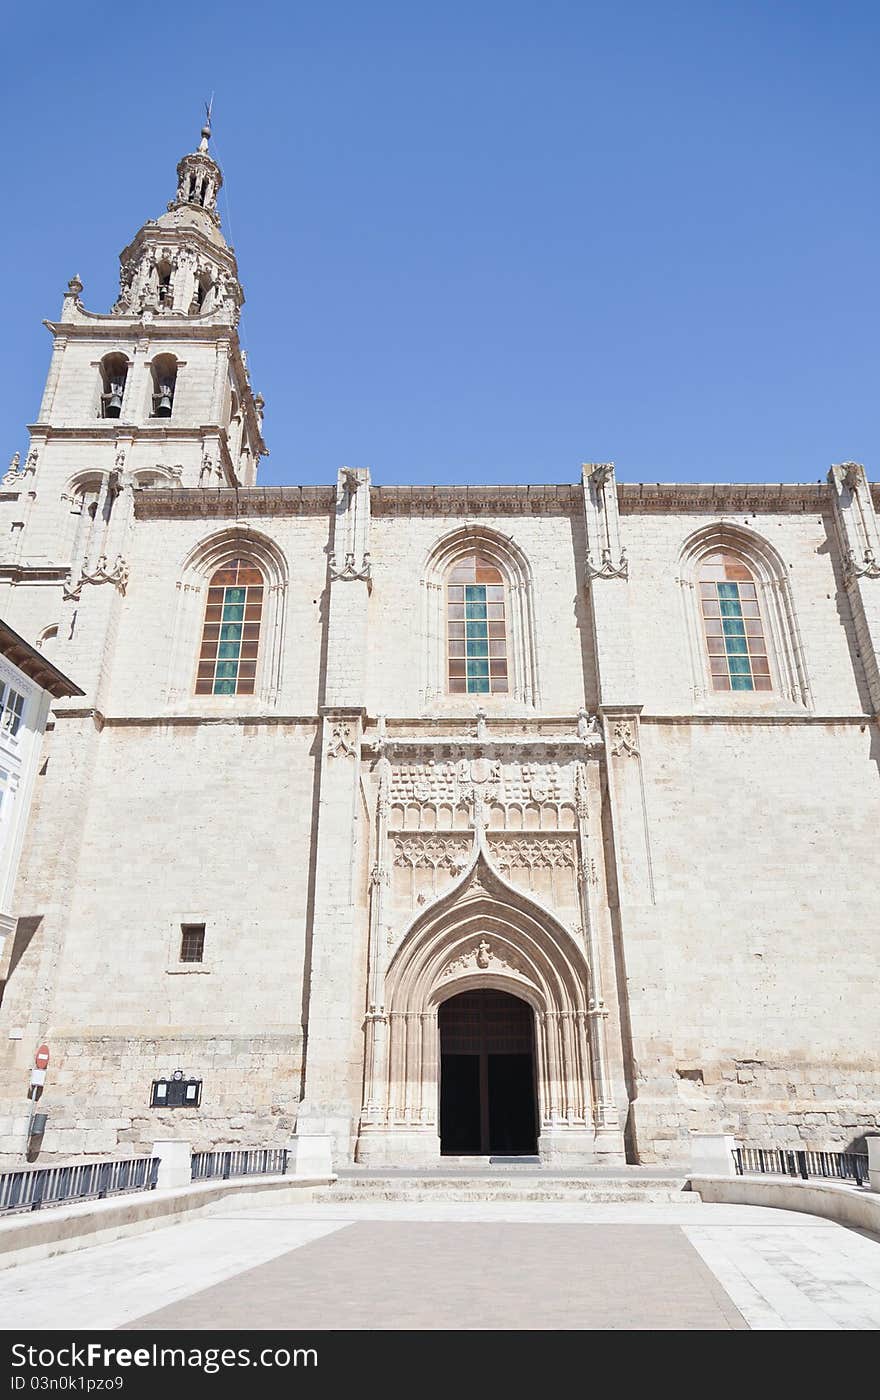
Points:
x=483, y=241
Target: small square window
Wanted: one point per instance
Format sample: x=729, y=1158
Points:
x=192, y=943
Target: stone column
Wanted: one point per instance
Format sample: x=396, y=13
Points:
x=337, y=995
x=632, y=893
x=858, y=534
x=603, y=1102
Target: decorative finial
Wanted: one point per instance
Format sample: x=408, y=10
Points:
x=75, y=285
x=206, y=129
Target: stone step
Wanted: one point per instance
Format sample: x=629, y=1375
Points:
x=497, y=1188
x=688, y=1198
x=492, y=1180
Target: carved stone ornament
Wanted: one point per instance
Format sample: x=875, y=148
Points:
x=431, y=852
x=587, y=724
x=342, y=742
x=624, y=739
x=484, y=957
x=539, y=852
x=457, y=780
x=117, y=575
x=348, y=573
x=608, y=567
x=867, y=567
x=14, y=473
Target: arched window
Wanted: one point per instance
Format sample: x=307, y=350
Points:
x=164, y=371
x=47, y=641
x=476, y=628
x=231, y=632
x=741, y=618
x=732, y=624
x=164, y=292
x=87, y=522
x=114, y=372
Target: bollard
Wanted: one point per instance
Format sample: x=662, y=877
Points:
x=874, y=1161
x=712, y=1154
x=175, y=1162
x=310, y=1155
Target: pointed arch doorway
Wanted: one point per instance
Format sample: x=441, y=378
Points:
x=488, y=1087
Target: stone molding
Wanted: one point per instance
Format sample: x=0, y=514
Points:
x=229, y=503
x=117, y=574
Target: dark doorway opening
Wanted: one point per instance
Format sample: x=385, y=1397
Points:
x=487, y=1075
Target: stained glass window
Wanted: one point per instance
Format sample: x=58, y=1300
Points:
x=231, y=635
x=476, y=628
x=732, y=624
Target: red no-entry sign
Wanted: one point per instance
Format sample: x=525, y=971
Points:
x=41, y=1059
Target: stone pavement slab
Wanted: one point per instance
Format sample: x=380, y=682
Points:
x=465, y=1276
x=779, y=1269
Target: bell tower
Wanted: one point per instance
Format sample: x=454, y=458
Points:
x=155, y=392
x=162, y=378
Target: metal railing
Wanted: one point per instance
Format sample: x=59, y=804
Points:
x=784, y=1161
x=245, y=1161
x=85, y=1181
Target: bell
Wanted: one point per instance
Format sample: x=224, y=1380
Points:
x=114, y=400
x=164, y=400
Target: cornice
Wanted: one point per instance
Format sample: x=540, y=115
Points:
x=635, y=498
x=228, y=503
x=106, y=325
x=475, y=500
x=34, y=573
x=113, y=428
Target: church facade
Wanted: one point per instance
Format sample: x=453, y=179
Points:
x=494, y=820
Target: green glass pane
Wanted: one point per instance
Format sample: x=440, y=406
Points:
x=230, y=632
x=224, y=687
x=733, y=644
x=233, y=612
x=741, y=683
x=476, y=667
x=477, y=629
x=728, y=590
x=234, y=595
x=475, y=610
x=229, y=649
x=227, y=668
x=475, y=593
x=729, y=608
x=739, y=665
x=733, y=627
x=478, y=648
x=478, y=685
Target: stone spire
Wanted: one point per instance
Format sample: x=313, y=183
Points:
x=199, y=177
x=180, y=264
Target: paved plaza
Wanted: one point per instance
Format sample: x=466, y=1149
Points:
x=463, y=1266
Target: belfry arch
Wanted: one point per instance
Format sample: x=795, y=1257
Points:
x=482, y=934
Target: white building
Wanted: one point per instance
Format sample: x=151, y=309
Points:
x=438, y=818
x=28, y=683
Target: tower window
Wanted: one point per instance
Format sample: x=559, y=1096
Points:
x=732, y=624
x=231, y=633
x=192, y=943
x=163, y=272
x=164, y=369
x=201, y=296
x=114, y=372
x=476, y=628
